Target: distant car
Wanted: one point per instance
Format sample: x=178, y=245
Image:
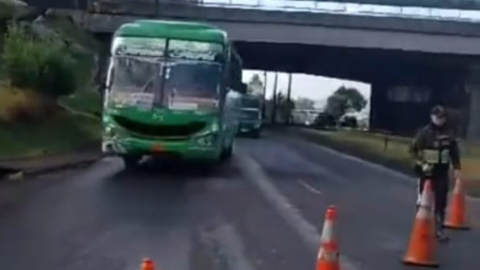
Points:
x=349, y=121
x=324, y=121
x=251, y=116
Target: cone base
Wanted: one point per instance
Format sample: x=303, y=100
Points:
x=328, y=266
x=456, y=227
x=412, y=261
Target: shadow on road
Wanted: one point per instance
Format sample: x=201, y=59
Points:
x=172, y=173
x=172, y=168
x=161, y=192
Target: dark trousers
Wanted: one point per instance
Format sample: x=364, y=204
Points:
x=440, y=183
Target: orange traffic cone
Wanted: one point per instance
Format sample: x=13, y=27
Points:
x=423, y=246
x=457, y=217
x=148, y=265
x=328, y=256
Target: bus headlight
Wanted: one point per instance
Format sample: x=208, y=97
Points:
x=209, y=136
x=215, y=127
x=206, y=140
x=109, y=132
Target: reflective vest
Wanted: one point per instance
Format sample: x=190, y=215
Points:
x=439, y=151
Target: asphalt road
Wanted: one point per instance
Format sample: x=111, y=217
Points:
x=263, y=210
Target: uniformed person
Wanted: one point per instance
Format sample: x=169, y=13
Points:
x=434, y=148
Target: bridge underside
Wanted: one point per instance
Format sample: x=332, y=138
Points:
x=443, y=74
x=368, y=65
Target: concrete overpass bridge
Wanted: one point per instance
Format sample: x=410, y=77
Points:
x=412, y=61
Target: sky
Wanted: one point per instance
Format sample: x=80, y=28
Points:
x=308, y=86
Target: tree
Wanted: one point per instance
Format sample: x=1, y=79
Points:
x=304, y=104
x=255, y=86
x=344, y=100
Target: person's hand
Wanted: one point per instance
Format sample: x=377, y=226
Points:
x=426, y=167
x=457, y=174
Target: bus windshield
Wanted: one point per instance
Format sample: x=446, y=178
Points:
x=145, y=73
x=134, y=80
x=192, y=84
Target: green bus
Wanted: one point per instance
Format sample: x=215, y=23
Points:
x=251, y=115
x=173, y=89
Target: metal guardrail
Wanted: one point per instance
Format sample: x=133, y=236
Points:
x=148, y=7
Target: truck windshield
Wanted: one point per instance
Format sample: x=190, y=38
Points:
x=134, y=80
x=192, y=84
x=250, y=103
x=250, y=114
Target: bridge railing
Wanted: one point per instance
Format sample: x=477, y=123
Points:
x=150, y=8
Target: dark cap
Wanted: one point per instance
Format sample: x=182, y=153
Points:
x=438, y=111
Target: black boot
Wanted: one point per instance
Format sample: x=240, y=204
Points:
x=440, y=232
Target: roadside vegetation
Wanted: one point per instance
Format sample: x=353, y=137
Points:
x=48, y=103
x=392, y=151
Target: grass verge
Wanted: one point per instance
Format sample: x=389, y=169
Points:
x=394, y=155
x=62, y=132
x=85, y=102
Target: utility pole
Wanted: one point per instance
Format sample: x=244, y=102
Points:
x=289, y=93
x=274, y=99
x=264, y=93
x=264, y=83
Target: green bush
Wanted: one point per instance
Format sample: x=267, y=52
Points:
x=44, y=64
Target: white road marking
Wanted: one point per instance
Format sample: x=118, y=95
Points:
x=291, y=215
x=372, y=165
x=231, y=247
x=310, y=188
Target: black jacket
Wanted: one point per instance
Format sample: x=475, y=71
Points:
x=436, y=146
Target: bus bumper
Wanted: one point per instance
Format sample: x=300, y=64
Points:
x=248, y=128
x=189, y=149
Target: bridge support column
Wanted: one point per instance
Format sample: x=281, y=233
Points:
x=399, y=108
x=473, y=126
x=403, y=107
x=103, y=59
x=377, y=100
x=472, y=88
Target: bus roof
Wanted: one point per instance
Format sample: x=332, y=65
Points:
x=173, y=29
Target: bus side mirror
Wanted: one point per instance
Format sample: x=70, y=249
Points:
x=107, y=83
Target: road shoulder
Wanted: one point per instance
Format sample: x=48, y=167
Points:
x=387, y=165
x=16, y=169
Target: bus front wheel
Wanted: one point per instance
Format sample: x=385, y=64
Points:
x=131, y=162
x=227, y=153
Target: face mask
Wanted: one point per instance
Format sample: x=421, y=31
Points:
x=437, y=120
